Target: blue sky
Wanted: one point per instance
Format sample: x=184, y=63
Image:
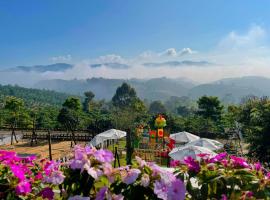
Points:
x=42, y=32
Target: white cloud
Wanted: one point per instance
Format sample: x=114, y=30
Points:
x=63, y=58
x=186, y=51
x=111, y=58
x=236, y=54
x=255, y=36
x=172, y=52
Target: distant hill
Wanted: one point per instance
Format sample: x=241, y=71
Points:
x=231, y=90
x=152, y=89
x=178, y=63
x=61, y=67
x=34, y=96
x=41, y=68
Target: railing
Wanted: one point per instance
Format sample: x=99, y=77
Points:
x=59, y=136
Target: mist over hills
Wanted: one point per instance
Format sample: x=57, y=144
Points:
x=57, y=67
x=152, y=89
x=229, y=90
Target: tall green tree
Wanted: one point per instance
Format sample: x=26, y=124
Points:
x=210, y=107
x=89, y=96
x=73, y=103
x=128, y=112
x=157, y=107
x=69, y=116
x=14, y=107
x=124, y=96
x=255, y=118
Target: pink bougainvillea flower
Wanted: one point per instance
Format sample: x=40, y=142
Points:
x=18, y=172
x=225, y=162
x=239, y=162
x=247, y=195
x=7, y=155
x=268, y=175
x=23, y=188
x=130, y=176
x=257, y=166
x=47, y=193
x=204, y=156
x=51, y=166
x=224, y=197
x=30, y=158
x=174, y=163
x=103, y=155
x=192, y=164
x=218, y=158
x=39, y=176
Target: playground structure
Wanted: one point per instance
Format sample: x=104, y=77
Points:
x=153, y=145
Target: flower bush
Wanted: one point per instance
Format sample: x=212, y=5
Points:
x=99, y=180
x=223, y=177
x=90, y=175
x=24, y=178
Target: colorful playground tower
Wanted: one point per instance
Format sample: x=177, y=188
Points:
x=152, y=136
x=160, y=123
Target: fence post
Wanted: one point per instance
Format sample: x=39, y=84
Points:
x=50, y=145
x=116, y=157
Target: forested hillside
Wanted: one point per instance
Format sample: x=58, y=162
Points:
x=34, y=96
x=151, y=89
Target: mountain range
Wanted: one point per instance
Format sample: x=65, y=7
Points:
x=229, y=90
x=61, y=67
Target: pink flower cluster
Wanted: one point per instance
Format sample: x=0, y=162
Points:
x=26, y=173
x=225, y=172
x=97, y=163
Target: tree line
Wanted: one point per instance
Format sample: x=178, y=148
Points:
x=207, y=117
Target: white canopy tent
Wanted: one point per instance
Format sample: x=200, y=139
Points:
x=179, y=153
x=184, y=137
x=217, y=143
x=207, y=143
x=111, y=134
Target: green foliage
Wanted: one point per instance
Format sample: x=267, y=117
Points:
x=210, y=107
x=88, y=99
x=225, y=177
x=124, y=96
x=157, y=107
x=73, y=103
x=255, y=118
x=33, y=96
x=15, y=114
